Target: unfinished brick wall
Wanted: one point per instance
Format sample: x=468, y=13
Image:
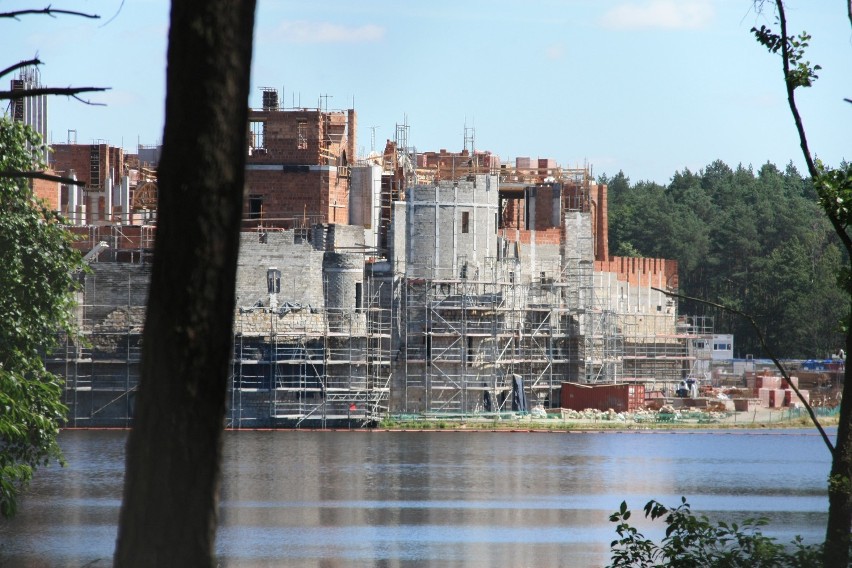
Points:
x=297, y=165
x=458, y=165
x=512, y=211
x=78, y=157
x=552, y=236
x=638, y=271
x=48, y=191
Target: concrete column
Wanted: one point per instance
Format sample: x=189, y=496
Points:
x=72, y=200
x=108, y=200
x=124, y=200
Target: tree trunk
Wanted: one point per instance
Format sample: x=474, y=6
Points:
x=168, y=515
x=840, y=482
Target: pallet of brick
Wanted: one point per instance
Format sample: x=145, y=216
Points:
x=768, y=381
x=792, y=400
x=746, y=404
x=763, y=395
x=778, y=398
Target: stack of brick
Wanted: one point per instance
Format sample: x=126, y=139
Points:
x=773, y=391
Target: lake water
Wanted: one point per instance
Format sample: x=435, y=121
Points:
x=398, y=499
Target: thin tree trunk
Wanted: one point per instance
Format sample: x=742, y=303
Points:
x=168, y=515
x=837, y=539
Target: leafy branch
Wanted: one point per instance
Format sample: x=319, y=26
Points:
x=766, y=349
x=800, y=73
x=695, y=540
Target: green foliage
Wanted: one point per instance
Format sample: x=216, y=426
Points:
x=692, y=540
x=37, y=280
x=834, y=188
x=801, y=73
x=757, y=241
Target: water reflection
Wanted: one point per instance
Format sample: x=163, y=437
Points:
x=432, y=499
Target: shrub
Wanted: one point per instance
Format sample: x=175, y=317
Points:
x=692, y=540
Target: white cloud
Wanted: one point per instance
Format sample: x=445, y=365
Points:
x=660, y=14
x=555, y=51
x=326, y=32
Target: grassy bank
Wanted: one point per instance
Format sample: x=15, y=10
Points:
x=762, y=419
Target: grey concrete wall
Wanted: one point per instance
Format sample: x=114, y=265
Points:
x=397, y=237
x=300, y=265
x=345, y=238
x=365, y=200
x=438, y=215
x=578, y=236
x=110, y=285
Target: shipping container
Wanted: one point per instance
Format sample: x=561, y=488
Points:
x=622, y=397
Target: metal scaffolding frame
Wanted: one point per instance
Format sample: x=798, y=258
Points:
x=101, y=365
x=464, y=340
x=312, y=366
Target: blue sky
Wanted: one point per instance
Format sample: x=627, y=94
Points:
x=649, y=87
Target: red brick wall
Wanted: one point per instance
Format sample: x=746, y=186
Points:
x=77, y=157
x=285, y=194
x=48, y=191
x=67, y=157
x=630, y=269
x=543, y=207
x=544, y=237
x=317, y=196
x=602, y=222
x=513, y=214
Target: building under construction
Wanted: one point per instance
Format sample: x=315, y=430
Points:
x=433, y=283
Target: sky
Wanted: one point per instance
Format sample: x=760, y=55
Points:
x=648, y=87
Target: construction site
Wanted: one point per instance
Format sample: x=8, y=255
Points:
x=400, y=283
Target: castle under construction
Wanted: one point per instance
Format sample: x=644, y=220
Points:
x=402, y=282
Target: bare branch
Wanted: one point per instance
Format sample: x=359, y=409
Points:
x=47, y=12
x=40, y=175
x=21, y=65
x=68, y=91
x=120, y=6
x=762, y=340
x=88, y=102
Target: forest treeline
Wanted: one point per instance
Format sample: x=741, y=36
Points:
x=757, y=241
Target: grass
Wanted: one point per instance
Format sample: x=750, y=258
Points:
x=525, y=423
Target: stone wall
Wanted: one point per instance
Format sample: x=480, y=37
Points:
x=451, y=228
x=299, y=263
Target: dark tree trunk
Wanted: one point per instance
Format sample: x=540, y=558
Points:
x=840, y=482
x=168, y=514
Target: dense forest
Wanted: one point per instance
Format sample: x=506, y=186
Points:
x=755, y=241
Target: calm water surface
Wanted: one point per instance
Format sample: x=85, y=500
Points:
x=330, y=499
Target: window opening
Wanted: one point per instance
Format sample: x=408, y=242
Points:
x=273, y=280
x=303, y=135
x=255, y=207
x=257, y=143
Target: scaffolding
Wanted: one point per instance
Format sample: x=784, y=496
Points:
x=657, y=352
x=466, y=340
x=101, y=364
x=301, y=366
